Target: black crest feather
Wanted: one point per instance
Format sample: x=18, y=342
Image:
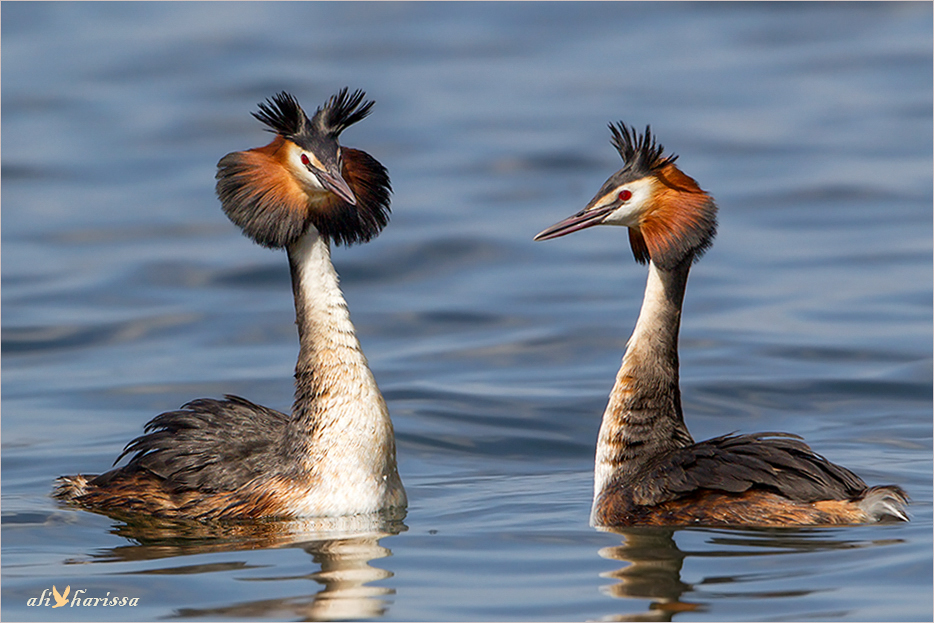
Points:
x=341, y=111
x=283, y=114
x=641, y=153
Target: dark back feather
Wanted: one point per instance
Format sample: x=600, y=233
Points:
x=779, y=462
x=210, y=445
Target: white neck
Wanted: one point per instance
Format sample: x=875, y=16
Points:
x=338, y=406
x=643, y=417
x=324, y=326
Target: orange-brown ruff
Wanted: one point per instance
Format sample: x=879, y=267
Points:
x=335, y=454
x=648, y=469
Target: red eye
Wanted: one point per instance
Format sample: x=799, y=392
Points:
x=306, y=161
x=624, y=195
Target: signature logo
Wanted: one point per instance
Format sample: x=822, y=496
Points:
x=80, y=598
x=60, y=600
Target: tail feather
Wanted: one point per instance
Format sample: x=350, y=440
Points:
x=69, y=488
x=883, y=503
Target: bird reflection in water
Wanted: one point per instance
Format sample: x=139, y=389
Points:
x=654, y=562
x=654, y=572
x=341, y=548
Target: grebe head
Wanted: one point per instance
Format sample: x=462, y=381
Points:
x=670, y=219
x=304, y=177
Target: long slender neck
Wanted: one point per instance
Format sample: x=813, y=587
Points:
x=335, y=393
x=643, y=417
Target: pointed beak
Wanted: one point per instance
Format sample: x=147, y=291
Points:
x=336, y=184
x=588, y=217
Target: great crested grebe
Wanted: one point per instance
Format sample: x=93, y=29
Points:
x=336, y=454
x=649, y=470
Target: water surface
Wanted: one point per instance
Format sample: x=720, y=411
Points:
x=126, y=292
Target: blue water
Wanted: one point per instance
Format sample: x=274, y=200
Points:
x=126, y=292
